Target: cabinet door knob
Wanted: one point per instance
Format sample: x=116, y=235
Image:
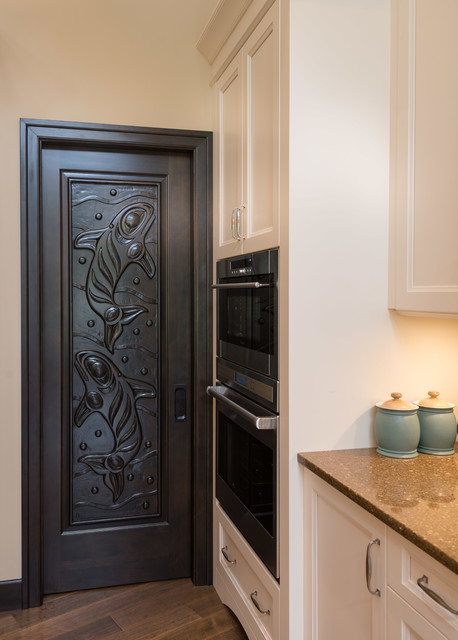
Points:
x=422, y=582
x=375, y=592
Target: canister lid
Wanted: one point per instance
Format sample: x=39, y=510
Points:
x=396, y=404
x=434, y=402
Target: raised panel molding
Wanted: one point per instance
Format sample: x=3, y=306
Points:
x=115, y=448
x=262, y=116
x=423, y=270
x=411, y=137
x=230, y=141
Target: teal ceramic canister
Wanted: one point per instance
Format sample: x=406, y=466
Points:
x=437, y=425
x=397, y=428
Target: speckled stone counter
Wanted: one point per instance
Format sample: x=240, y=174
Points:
x=416, y=497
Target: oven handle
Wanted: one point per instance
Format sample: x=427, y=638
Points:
x=260, y=422
x=241, y=285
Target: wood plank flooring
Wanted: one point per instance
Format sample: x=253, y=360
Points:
x=169, y=610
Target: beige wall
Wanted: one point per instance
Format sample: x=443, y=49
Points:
x=129, y=62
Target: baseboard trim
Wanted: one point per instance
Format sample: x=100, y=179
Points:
x=10, y=595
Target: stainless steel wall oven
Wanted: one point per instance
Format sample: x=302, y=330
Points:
x=247, y=399
x=246, y=470
x=247, y=301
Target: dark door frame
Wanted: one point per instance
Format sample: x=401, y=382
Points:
x=34, y=135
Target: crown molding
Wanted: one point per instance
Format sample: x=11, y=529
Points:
x=224, y=19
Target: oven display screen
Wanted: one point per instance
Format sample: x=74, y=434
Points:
x=247, y=466
x=241, y=379
x=242, y=263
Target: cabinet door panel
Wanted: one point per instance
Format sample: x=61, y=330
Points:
x=260, y=135
x=424, y=156
x=436, y=143
x=344, y=603
x=337, y=534
x=261, y=141
x=230, y=97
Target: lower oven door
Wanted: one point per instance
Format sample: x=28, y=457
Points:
x=246, y=470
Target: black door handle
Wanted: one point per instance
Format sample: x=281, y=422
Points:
x=180, y=403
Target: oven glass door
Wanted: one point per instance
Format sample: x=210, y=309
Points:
x=247, y=323
x=246, y=480
x=246, y=465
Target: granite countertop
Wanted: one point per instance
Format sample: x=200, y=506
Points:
x=417, y=497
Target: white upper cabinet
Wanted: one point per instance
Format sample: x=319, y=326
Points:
x=424, y=158
x=247, y=145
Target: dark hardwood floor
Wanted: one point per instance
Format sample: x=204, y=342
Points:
x=169, y=610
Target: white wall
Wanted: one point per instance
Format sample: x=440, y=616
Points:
x=347, y=351
x=131, y=62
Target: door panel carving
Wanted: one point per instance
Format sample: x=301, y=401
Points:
x=115, y=462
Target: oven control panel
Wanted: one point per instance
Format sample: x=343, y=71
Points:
x=259, y=388
x=250, y=264
x=241, y=266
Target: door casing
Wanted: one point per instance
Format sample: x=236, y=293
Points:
x=35, y=134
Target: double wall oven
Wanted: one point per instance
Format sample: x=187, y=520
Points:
x=247, y=398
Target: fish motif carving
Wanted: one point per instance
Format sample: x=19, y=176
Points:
x=115, y=247
x=114, y=396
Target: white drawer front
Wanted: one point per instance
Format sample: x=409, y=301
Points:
x=250, y=581
x=404, y=623
x=406, y=566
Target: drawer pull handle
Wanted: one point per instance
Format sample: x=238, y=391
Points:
x=257, y=605
x=422, y=582
x=375, y=592
x=226, y=557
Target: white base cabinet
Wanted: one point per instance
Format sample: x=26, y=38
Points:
x=243, y=583
x=344, y=566
x=345, y=551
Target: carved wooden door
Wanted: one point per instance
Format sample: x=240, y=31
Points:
x=117, y=361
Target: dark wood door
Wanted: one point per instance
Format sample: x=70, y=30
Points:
x=117, y=329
